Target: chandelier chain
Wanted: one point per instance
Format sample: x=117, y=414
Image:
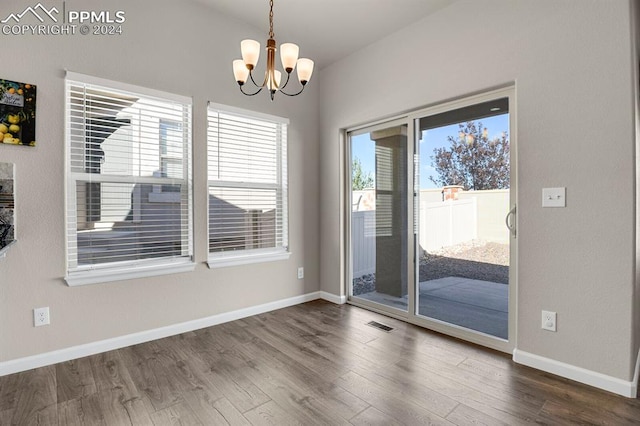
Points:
x=270, y=18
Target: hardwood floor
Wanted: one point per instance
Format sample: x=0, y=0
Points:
x=311, y=364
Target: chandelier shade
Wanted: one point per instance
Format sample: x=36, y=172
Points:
x=289, y=56
x=243, y=69
x=240, y=71
x=250, y=50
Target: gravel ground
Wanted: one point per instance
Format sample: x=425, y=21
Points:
x=477, y=259
x=364, y=284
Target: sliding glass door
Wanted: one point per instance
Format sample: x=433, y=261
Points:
x=464, y=200
x=431, y=226
x=379, y=216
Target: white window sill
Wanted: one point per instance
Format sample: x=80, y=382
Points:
x=5, y=249
x=96, y=276
x=225, y=260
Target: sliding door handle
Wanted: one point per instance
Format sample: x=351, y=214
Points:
x=510, y=221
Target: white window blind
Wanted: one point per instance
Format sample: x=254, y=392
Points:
x=247, y=169
x=129, y=179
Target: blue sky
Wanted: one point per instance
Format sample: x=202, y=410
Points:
x=363, y=147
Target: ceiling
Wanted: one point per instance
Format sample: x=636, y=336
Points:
x=328, y=30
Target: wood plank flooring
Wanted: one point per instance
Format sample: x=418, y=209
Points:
x=311, y=364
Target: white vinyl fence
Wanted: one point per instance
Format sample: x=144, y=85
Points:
x=447, y=223
x=363, y=242
x=474, y=215
x=493, y=206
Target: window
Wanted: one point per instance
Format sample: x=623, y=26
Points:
x=171, y=152
x=129, y=183
x=247, y=171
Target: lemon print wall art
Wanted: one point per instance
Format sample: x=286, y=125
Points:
x=17, y=113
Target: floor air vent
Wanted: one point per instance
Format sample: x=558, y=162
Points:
x=380, y=326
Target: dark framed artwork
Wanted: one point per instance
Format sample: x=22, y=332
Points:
x=17, y=113
x=7, y=235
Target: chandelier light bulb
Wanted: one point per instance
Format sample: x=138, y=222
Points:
x=273, y=84
x=289, y=56
x=305, y=69
x=240, y=71
x=250, y=52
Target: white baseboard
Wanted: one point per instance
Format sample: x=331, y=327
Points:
x=582, y=375
x=74, y=352
x=592, y=378
x=330, y=297
x=636, y=377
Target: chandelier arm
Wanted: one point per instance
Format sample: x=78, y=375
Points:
x=254, y=82
x=249, y=94
x=293, y=94
x=286, y=82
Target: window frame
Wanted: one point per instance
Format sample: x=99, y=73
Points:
x=138, y=268
x=221, y=259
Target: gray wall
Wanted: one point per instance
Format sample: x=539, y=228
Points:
x=176, y=46
x=635, y=20
x=571, y=61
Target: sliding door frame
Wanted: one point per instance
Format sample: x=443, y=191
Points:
x=463, y=333
x=384, y=309
x=411, y=315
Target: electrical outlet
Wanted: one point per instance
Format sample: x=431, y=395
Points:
x=300, y=273
x=549, y=320
x=40, y=316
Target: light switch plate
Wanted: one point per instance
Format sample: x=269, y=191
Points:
x=554, y=197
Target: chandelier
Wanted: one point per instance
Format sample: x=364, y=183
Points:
x=243, y=68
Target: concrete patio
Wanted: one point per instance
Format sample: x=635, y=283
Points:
x=475, y=304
